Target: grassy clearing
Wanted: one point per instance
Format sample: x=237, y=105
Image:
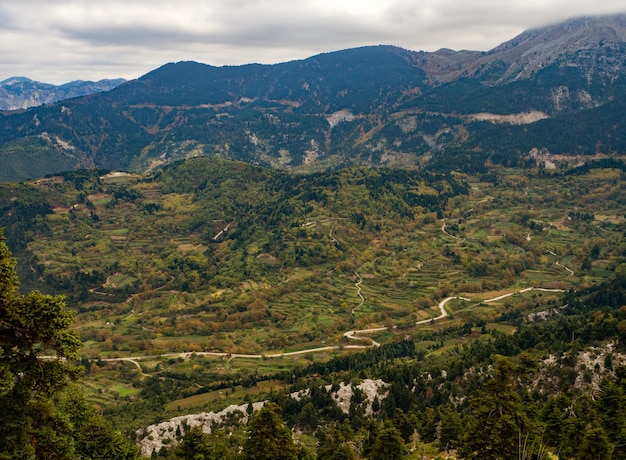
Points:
x=505, y=328
x=219, y=399
x=124, y=391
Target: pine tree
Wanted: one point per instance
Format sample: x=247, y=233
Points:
x=40, y=418
x=197, y=445
x=498, y=418
x=269, y=438
x=451, y=427
x=336, y=444
x=93, y=436
x=595, y=444
x=388, y=445
x=31, y=327
x=619, y=446
x=611, y=404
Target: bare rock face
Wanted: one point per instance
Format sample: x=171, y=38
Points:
x=371, y=389
x=591, y=365
x=168, y=433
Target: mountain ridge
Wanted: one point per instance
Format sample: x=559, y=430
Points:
x=376, y=105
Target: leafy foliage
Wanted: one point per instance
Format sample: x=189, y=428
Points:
x=212, y=255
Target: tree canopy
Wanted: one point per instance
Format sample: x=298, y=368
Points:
x=37, y=351
x=269, y=437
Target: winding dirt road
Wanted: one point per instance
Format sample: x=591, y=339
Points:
x=442, y=309
x=357, y=334
x=357, y=285
x=443, y=229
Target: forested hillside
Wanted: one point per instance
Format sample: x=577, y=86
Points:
x=487, y=306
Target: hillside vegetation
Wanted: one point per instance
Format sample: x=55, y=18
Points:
x=173, y=273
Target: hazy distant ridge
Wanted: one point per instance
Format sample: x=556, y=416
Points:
x=22, y=93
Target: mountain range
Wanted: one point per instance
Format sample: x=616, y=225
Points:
x=560, y=89
x=22, y=93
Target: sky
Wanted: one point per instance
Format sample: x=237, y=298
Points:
x=56, y=41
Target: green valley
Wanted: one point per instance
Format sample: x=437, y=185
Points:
x=210, y=282
x=259, y=261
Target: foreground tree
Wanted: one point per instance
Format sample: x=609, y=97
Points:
x=92, y=435
x=269, y=438
x=337, y=443
x=595, y=444
x=30, y=327
x=388, y=445
x=37, y=348
x=498, y=422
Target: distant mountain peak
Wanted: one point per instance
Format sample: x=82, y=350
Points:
x=15, y=80
x=23, y=93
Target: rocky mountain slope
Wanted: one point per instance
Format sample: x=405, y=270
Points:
x=594, y=45
x=22, y=93
x=374, y=105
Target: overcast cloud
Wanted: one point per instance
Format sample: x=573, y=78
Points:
x=57, y=41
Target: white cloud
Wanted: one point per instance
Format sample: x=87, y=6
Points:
x=61, y=40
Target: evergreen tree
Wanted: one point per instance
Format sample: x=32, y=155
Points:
x=197, y=445
x=269, y=438
x=450, y=427
x=405, y=423
x=595, y=444
x=619, y=446
x=93, y=436
x=498, y=419
x=335, y=444
x=32, y=326
x=611, y=405
x=388, y=445
x=37, y=347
